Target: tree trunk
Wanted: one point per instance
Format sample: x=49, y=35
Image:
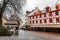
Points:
x=0, y=20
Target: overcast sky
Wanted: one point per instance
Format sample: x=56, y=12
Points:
x=31, y=4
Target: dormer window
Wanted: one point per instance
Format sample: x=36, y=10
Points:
x=48, y=9
x=57, y=7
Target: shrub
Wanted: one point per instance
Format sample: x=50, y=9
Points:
x=3, y=30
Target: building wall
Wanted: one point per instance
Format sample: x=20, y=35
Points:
x=20, y=24
x=51, y=20
x=3, y=21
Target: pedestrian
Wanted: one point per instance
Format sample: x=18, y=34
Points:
x=16, y=31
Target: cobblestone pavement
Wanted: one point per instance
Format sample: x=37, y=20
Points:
x=30, y=35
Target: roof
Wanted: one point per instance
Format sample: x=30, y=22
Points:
x=58, y=4
x=45, y=12
x=5, y=17
x=10, y=23
x=9, y=19
x=38, y=12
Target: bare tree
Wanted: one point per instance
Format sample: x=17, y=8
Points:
x=16, y=4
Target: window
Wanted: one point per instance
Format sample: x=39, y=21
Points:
x=36, y=16
x=44, y=14
x=36, y=21
x=33, y=22
x=33, y=17
x=50, y=20
x=57, y=13
x=40, y=16
x=50, y=14
x=30, y=22
x=45, y=21
x=57, y=20
x=30, y=17
x=40, y=21
x=57, y=7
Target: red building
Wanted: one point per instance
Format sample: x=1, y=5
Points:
x=45, y=19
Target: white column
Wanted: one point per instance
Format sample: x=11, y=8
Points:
x=42, y=21
x=31, y=18
x=38, y=22
x=59, y=13
x=47, y=15
x=35, y=22
x=35, y=17
x=53, y=20
x=42, y=16
x=54, y=14
x=48, y=21
x=38, y=16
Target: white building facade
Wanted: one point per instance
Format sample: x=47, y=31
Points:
x=48, y=18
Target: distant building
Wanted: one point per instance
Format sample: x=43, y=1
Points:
x=46, y=18
x=26, y=16
x=13, y=21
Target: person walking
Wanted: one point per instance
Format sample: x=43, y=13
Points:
x=16, y=30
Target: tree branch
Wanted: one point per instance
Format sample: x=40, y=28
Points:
x=3, y=6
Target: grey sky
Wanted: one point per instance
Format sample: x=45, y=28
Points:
x=31, y=4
